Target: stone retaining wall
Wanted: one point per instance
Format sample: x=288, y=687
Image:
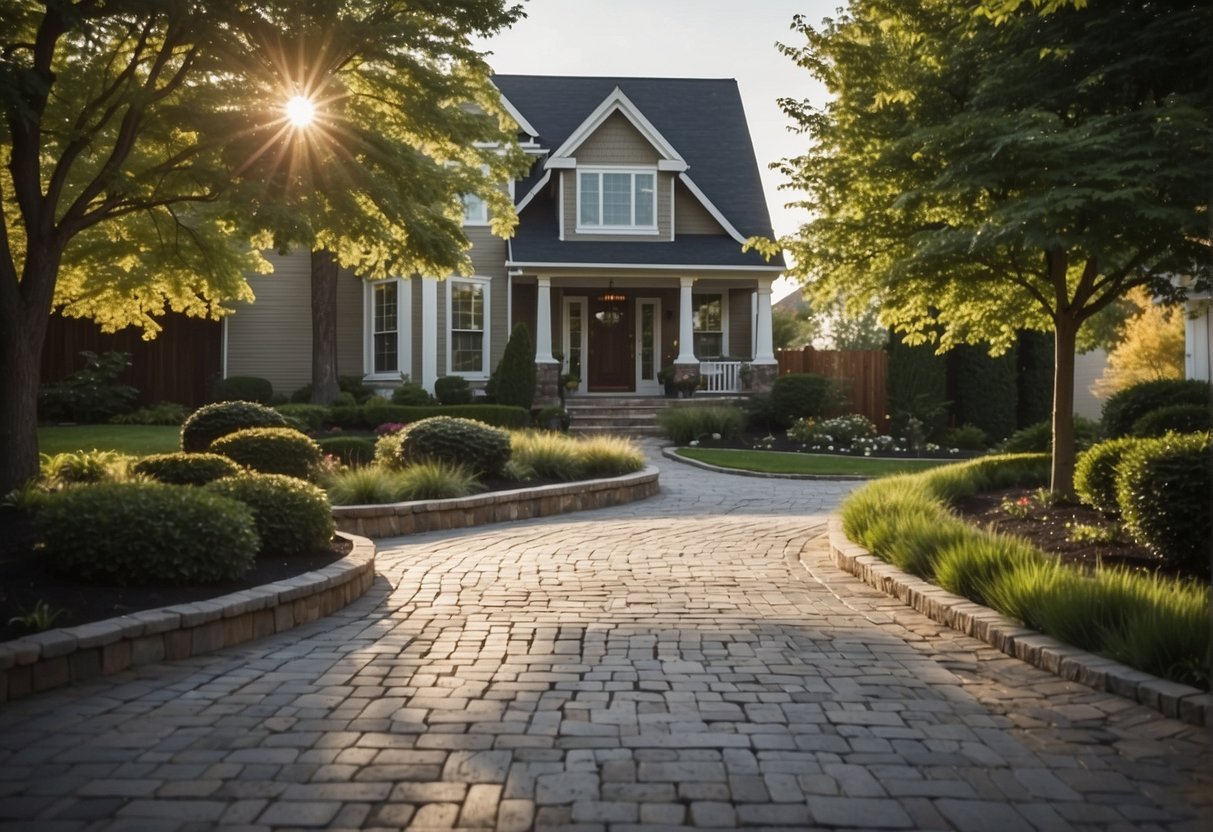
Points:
x=395, y=519
x=74, y=654
x=1008, y=635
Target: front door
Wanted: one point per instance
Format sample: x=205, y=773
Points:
x=612, y=357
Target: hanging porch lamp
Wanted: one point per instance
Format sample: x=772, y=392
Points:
x=612, y=313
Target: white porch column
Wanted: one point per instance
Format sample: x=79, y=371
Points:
x=686, y=323
x=764, y=351
x=543, y=323
x=429, y=332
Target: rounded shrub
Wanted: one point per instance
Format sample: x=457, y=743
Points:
x=411, y=393
x=453, y=390
x=292, y=517
x=1122, y=409
x=146, y=532
x=1163, y=488
x=185, y=469
x=272, y=451
x=1176, y=418
x=1095, y=473
x=388, y=450
x=212, y=421
x=1038, y=438
x=354, y=451
x=801, y=396
x=243, y=389
x=479, y=448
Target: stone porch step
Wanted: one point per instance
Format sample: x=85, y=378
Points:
x=627, y=415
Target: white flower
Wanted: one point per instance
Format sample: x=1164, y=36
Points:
x=868, y=452
x=715, y=435
x=693, y=442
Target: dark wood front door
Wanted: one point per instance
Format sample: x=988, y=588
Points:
x=611, y=360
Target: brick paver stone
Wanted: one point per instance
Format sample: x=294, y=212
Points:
x=690, y=661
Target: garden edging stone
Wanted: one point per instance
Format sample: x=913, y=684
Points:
x=61, y=656
x=1172, y=699
x=671, y=452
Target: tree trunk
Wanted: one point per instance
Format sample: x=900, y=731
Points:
x=324, y=328
x=1061, y=476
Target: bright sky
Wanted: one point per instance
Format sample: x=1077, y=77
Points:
x=680, y=38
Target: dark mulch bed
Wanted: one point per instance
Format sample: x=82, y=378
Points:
x=1050, y=529
x=25, y=582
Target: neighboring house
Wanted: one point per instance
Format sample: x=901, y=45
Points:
x=627, y=257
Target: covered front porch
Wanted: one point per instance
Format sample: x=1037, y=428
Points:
x=641, y=335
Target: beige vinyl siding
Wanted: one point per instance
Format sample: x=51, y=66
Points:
x=690, y=217
x=272, y=337
x=740, y=324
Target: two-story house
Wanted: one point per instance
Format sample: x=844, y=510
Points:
x=627, y=257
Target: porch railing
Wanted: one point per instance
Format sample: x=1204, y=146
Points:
x=721, y=376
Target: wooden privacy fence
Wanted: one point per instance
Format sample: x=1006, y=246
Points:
x=862, y=375
x=179, y=365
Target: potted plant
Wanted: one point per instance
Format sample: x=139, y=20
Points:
x=666, y=376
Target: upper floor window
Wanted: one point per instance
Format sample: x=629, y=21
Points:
x=616, y=200
x=475, y=211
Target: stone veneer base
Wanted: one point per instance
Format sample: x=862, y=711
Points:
x=396, y=519
x=1008, y=635
x=74, y=654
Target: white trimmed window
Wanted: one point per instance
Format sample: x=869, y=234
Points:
x=467, y=314
x=617, y=200
x=475, y=211
x=708, y=314
x=386, y=316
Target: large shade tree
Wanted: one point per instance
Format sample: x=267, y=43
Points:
x=148, y=157
x=984, y=169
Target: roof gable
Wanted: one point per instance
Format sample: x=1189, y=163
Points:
x=618, y=102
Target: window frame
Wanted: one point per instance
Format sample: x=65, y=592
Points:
x=404, y=318
x=485, y=285
x=469, y=200
x=723, y=295
x=603, y=228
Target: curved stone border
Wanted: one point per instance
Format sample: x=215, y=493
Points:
x=1008, y=635
x=73, y=654
x=395, y=519
x=671, y=452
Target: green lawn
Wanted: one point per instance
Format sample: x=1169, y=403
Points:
x=775, y=462
x=136, y=440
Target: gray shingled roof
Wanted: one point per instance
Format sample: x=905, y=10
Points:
x=705, y=122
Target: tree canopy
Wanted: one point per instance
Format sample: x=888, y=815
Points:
x=985, y=169
x=148, y=155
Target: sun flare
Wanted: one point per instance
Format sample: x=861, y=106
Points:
x=300, y=111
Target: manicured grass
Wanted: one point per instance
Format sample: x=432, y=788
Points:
x=775, y=462
x=135, y=440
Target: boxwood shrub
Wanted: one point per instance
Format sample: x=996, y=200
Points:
x=212, y=421
x=146, y=532
x=185, y=469
x=1122, y=410
x=375, y=413
x=272, y=451
x=453, y=390
x=801, y=396
x=1095, y=473
x=351, y=450
x=481, y=449
x=242, y=389
x=292, y=517
x=1163, y=488
x=1175, y=418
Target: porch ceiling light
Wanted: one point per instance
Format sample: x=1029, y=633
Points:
x=611, y=296
x=612, y=314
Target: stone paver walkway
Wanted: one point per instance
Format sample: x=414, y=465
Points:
x=659, y=665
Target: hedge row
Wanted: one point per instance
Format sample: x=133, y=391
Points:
x=371, y=416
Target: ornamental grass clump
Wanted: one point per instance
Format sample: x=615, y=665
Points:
x=547, y=456
x=685, y=425
x=77, y=467
x=609, y=456
x=369, y=485
x=437, y=480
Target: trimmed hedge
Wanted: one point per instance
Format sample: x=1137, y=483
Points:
x=1122, y=410
x=917, y=386
x=186, y=469
x=308, y=417
x=1163, y=487
x=481, y=449
x=984, y=390
x=272, y=451
x=453, y=390
x=1034, y=379
x=242, y=389
x=293, y=517
x=146, y=532
x=1176, y=418
x=213, y=421
x=1095, y=473
x=351, y=450
x=410, y=393
x=373, y=414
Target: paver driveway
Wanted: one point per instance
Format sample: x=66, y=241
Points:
x=663, y=664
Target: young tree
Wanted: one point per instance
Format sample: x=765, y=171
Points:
x=980, y=174
x=144, y=142
x=1151, y=347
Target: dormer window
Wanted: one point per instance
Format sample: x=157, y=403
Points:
x=615, y=200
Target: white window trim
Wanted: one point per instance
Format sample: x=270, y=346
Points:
x=617, y=229
x=724, y=322
x=485, y=353
x=475, y=221
x=404, y=336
